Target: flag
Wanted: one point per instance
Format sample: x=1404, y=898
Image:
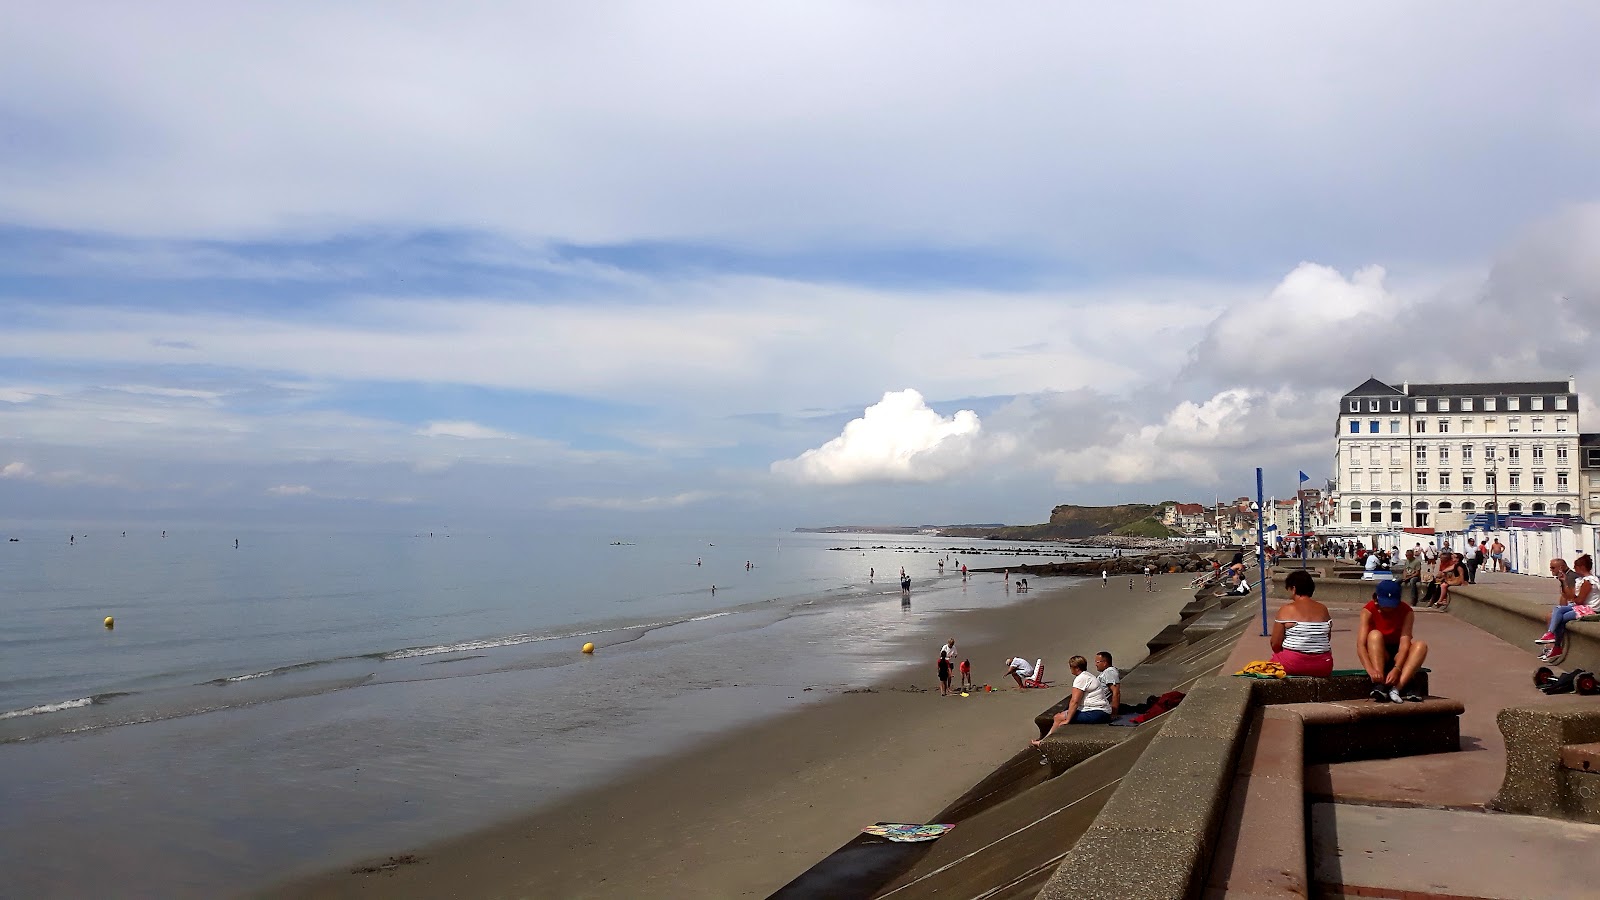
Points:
x=1304, y=478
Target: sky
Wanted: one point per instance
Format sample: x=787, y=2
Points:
x=769, y=264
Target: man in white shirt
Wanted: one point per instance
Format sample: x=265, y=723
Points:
x=948, y=651
x=1019, y=669
x=1110, y=677
x=1090, y=703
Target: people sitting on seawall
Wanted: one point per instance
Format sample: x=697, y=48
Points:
x=1302, y=631
x=1376, y=569
x=1110, y=677
x=1451, y=574
x=1580, y=594
x=1090, y=703
x=1019, y=669
x=1391, y=656
x=1411, y=575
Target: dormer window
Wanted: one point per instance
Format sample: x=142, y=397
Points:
x=1513, y=403
x=1355, y=406
x=1444, y=405
x=1488, y=404
x=1421, y=406
x=1466, y=404
x=1536, y=403
x=1394, y=406
x=1372, y=406
x=1561, y=402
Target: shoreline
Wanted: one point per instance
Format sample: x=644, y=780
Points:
x=745, y=812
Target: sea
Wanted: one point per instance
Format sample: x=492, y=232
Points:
x=311, y=697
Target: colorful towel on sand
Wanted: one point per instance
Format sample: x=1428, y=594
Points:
x=908, y=833
x=1263, y=669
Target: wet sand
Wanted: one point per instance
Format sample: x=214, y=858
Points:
x=742, y=815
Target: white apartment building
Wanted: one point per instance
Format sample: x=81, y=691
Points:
x=1434, y=455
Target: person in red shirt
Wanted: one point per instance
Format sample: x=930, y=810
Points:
x=1391, y=656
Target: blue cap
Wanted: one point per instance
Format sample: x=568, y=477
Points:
x=1387, y=594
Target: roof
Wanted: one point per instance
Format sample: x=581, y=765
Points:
x=1195, y=509
x=1589, y=440
x=1372, y=387
x=1490, y=388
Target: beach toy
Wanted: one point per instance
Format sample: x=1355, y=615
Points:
x=110, y=622
x=963, y=693
x=587, y=648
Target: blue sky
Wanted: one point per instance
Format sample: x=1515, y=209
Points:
x=784, y=263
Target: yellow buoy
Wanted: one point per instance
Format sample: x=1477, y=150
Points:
x=587, y=648
x=110, y=622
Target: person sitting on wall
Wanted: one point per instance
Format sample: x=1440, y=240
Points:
x=1580, y=594
x=1451, y=574
x=1090, y=703
x=1391, y=656
x=1302, y=631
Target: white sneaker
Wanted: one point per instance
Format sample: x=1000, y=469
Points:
x=1394, y=696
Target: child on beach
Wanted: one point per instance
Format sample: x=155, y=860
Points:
x=966, y=674
x=944, y=675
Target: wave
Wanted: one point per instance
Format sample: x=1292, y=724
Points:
x=280, y=670
x=515, y=639
x=62, y=706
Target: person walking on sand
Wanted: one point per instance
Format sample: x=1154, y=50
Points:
x=1105, y=577
x=1090, y=703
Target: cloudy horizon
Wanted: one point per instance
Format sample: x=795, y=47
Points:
x=788, y=264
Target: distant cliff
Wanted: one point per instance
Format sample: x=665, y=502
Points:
x=1068, y=521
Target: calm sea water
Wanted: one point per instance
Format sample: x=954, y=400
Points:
x=309, y=698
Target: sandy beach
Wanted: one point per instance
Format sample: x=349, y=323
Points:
x=743, y=814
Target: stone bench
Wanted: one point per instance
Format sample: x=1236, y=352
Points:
x=1349, y=730
x=1261, y=851
x=1518, y=620
x=1336, y=688
x=1551, y=759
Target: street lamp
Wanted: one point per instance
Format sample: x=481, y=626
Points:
x=1494, y=484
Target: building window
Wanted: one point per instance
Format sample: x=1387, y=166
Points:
x=1491, y=426
x=1444, y=426
x=1561, y=423
x=1563, y=509
x=1466, y=483
x=1355, y=427
x=1469, y=507
x=1491, y=478
x=1536, y=403
x=1538, y=454
x=1355, y=512
x=1421, y=513
x=1446, y=506
x=1561, y=402
x=1561, y=454
x=1420, y=406
x=1422, y=426
x=1444, y=455
x=1488, y=404
x=1468, y=426
x=1444, y=481
x=1466, y=404
x=1396, y=511
x=1514, y=453
x=1538, y=509
x=1513, y=424
x=1355, y=481
x=1561, y=482
x=1444, y=405
x=1394, y=406
x=1513, y=403
x=1538, y=423
x=1394, y=426
x=1422, y=456
x=1422, y=481
x=1591, y=458
x=1372, y=427
x=1397, y=481
x=1514, y=507
x=1516, y=481
x=1372, y=406
x=1466, y=454
x=1355, y=406
x=1372, y=456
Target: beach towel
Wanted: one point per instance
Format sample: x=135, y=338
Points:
x=908, y=833
x=1262, y=669
x=1162, y=704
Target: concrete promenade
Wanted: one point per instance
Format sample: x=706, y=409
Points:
x=1419, y=826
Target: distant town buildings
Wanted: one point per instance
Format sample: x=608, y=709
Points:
x=1435, y=455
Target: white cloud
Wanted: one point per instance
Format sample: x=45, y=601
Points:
x=18, y=470
x=291, y=490
x=640, y=504
x=899, y=438
x=471, y=431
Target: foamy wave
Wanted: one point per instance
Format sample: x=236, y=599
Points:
x=251, y=676
x=513, y=640
x=47, y=708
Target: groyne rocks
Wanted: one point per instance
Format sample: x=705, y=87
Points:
x=1115, y=565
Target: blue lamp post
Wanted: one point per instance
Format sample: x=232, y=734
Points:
x=1261, y=550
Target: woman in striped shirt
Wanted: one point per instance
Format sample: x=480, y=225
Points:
x=1302, y=640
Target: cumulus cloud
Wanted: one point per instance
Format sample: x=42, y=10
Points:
x=899, y=438
x=471, y=431
x=18, y=470
x=627, y=504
